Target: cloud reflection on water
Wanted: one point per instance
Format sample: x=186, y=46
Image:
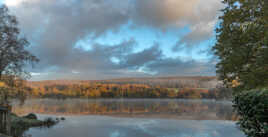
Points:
x=103, y=126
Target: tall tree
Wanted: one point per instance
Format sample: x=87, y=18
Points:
x=13, y=56
x=242, y=47
x=13, y=53
x=242, y=44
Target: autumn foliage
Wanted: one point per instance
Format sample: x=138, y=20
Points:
x=127, y=88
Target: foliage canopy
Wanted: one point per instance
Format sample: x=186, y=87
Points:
x=242, y=44
x=242, y=47
x=13, y=47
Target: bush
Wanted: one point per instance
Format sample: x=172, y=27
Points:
x=252, y=107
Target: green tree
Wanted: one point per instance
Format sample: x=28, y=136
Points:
x=241, y=46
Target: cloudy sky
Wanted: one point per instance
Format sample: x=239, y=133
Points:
x=103, y=39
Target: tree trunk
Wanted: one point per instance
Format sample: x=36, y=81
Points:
x=1, y=75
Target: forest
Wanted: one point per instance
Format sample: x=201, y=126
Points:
x=173, y=87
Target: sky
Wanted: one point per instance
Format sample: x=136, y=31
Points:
x=105, y=39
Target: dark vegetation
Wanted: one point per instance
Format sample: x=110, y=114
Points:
x=242, y=48
x=242, y=44
x=252, y=107
x=21, y=124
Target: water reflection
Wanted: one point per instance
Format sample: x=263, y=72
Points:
x=103, y=126
x=133, y=118
x=136, y=108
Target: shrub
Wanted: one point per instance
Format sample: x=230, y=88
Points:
x=252, y=107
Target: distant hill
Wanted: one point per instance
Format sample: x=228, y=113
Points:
x=158, y=87
x=165, y=82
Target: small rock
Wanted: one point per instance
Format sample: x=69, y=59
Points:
x=31, y=116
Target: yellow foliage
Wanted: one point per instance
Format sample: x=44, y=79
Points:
x=235, y=83
x=3, y=85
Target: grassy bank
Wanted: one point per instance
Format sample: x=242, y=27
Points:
x=21, y=124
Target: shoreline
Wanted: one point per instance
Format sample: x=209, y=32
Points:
x=20, y=124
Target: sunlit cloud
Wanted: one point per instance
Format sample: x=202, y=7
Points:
x=13, y=2
x=107, y=39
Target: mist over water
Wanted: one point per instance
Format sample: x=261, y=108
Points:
x=133, y=118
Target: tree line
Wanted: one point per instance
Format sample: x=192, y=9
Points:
x=100, y=90
x=169, y=82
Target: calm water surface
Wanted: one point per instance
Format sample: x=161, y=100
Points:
x=133, y=118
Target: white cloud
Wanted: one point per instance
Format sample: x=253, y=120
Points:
x=13, y=2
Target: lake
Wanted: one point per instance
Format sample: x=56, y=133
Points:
x=133, y=118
